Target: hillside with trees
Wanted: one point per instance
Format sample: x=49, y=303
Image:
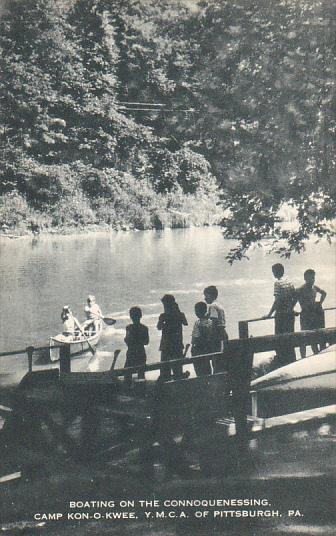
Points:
x=242, y=120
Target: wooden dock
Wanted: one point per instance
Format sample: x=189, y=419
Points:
x=101, y=412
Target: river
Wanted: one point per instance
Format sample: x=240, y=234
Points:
x=39, y=276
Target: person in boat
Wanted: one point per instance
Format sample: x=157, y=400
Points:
x=216, y=315
x=285, y=298
x=201, y=339
x=136, y=339
x=312, y=314
x=93, y=315
x=171, y=323
x=70, y=323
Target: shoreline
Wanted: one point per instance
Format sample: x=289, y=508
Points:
x=73, y=231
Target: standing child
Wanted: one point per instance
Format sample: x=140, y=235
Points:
x=219, y=335
x=136, y=339
x=312, y=315
x=285, y=298
x=201, y=339
x=170, y=323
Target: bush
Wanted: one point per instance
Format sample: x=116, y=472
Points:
x=13, y=209
x=16, y=213
x=74, y=210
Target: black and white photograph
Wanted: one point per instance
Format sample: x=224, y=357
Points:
x=167, y=267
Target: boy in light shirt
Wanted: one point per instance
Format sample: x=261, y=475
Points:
x=285, y=298
x=93, y=314
x=201, y=340
x=219, y=335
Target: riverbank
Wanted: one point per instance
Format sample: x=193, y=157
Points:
x=25, y=232
x=141, y=210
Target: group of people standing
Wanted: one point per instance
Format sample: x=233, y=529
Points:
x=208, y=336
x=285, y=299
x=209, y=331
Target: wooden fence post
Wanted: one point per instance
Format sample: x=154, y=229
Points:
x=30, y=351
x=254, y=399
x=243, y=329
x=65, y=359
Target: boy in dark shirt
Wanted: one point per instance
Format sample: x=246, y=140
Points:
x=312, y=315
x=136, y=339
x=171, y=323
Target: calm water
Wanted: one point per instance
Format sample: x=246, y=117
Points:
x=39, y=276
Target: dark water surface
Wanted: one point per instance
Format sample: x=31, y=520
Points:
x=39, y=276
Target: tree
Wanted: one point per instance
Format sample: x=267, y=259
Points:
x=244, y=94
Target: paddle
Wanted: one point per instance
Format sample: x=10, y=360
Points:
x=92, y=349
x=115, y=357
x=109, y=321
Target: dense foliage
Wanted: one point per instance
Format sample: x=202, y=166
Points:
x=245, y=122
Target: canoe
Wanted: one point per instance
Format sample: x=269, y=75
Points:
x=78, y=346
x=299, y=386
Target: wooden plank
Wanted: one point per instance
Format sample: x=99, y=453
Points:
x=12, y=476
x=281, y=421
x=301, y=417
x=5, y=409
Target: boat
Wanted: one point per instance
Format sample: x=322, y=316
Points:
x=79, y=345
x=299, y=386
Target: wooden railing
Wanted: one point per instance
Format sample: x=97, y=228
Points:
x=30, y=350
x=243, y=324
x=244, y=345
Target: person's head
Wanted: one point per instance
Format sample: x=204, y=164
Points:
x=278, y=270
x=309, y=276
x=169, y=303
x=201, y=309
x=91, y=299
x=66, y=311
x=135, y=314
x=210, y=294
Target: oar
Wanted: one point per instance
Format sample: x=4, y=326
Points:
x=92, y=349
x=115, y=357
x=109, y=321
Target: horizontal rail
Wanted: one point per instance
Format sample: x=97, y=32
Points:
x=297, y=313
x=271, y=342
x=161, y=364
x=248, y=346
x=35, y=349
